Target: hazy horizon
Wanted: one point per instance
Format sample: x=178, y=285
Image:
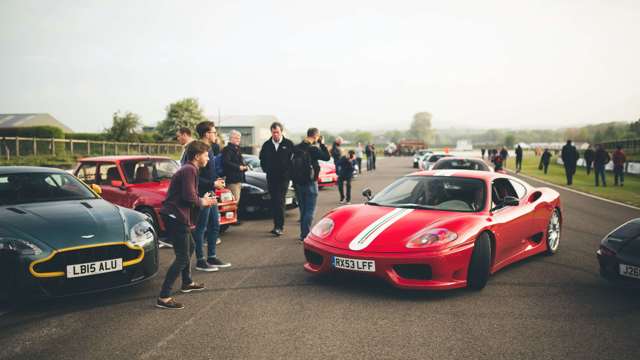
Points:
x=337, y=65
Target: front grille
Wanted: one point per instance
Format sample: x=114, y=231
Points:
x=313, y=257
x=60, y=286
x=63, y=258
x=413, y=271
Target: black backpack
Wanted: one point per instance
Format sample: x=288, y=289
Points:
x=301, y=167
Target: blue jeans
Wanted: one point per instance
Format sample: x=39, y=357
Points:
x=599, y=170
x=207, y=221
x=307, y=196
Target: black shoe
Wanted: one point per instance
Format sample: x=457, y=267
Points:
x=203, y=265
x=170, y=304
x=217, y=263
x=192, y=287
x=273, y=231
x=278, y=232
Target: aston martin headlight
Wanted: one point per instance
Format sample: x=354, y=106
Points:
x=22, y=247
x=141, y=234
x=431, y=236
x=323, y=228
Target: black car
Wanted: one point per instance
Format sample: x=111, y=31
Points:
x=255, y=197
x=619, y=253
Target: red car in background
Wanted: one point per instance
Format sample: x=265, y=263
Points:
x=327, y=175
x=141, y=183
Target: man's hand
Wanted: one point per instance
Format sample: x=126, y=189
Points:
x=219, y=184
x=209, y=200
x=244, y=168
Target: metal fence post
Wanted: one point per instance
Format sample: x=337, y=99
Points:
x=53, y=146
x=17, y=146
x=88, y=147
x=35, y=146
x=71, y=146
x=104, y=148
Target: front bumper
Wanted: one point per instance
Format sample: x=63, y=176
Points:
x=34, y=285
x=420, y=270
x=610, y=268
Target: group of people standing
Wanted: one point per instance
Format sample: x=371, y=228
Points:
x=597, y=159
x=190, y=209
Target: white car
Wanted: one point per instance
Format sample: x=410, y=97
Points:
x=427, y=160
x=418, y=155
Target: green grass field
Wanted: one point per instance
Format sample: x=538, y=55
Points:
x=629, y=194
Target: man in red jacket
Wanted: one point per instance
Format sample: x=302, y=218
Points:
x=182, y=199
x=619, y=158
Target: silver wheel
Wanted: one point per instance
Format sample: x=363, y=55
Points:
x=553, y=232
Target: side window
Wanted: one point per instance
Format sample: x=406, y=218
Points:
x=499, y=190
x=108, y=173
x=87, y=173
x=520, y=189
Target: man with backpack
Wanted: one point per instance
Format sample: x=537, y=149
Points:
x=275, y=160
x=305, y=170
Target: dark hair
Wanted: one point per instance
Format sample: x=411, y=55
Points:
x=184, y=130
x=312, y=132
x=204, y=127
x=194, y=148
x=276, y=124
x=351, y=153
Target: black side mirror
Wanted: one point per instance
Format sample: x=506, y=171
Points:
x=510, y=201
x=367, y=193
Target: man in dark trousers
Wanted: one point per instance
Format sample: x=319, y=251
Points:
x=307, y=188
x=234, y=165
x=367, y=151
x=504, y=154
x=182, y=198
x=600, y=159
x=569, y=157
x=345, y=175
x=275, y=160
x=336, y=151
x=588, y=158
x=619, y=158
x=545, y=159
x=519, y=154
x=373, y=156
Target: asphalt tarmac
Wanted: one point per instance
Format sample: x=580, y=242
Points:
x=266, y=307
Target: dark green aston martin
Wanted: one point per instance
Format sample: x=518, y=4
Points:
x=58, y=237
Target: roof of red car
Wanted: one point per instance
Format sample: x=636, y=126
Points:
x=116, y=158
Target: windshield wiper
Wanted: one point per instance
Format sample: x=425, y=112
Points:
x=413, y=206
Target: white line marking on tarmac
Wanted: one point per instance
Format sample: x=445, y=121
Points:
x=155, y=352
x=576, y=191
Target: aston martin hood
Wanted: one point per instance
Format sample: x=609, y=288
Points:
x=66, y=224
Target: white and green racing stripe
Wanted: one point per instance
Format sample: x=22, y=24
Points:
x=371, y=232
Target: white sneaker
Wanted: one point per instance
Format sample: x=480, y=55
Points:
x=162, y=244
x=218, y=241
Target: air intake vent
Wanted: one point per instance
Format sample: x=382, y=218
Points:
x=86, y=205
x=17, y=211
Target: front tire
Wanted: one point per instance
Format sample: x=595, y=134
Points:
x=553, y=232
x=480, y=263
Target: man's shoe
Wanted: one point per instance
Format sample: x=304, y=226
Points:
x=162, y=244
x=219, y=241
x=348, y=203
x=170, y=304
x=341, y=202
x=217, y=263
x=273, y=231
x=203, y=265
x=192, y=287
x=278, y=232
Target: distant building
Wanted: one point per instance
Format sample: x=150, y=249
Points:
x=464, y=145
x=8, y=121
x=255, y=129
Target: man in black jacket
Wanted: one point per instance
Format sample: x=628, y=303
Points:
x=569, y=157
x=275, y=160
x=307, y=192
x=588, y=158
x=234, y=165
x=601, y=159
x=519, y=154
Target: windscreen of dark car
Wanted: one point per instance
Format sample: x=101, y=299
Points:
x=434, y=193
x=148, y=170
x=461, y=164
x=26, y=188
x=434, y=158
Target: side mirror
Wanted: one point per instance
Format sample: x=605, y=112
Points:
x=96, y=189
x=367, y=193
x=510, y=201
x=118, y=184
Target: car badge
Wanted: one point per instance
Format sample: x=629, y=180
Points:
x=90, y=236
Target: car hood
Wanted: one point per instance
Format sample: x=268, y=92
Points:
x=66, y=223
x=385, y=229
x=258, y=179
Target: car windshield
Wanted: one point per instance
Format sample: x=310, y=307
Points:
x=463, y=164
x=434, y=158
x=434, y=193
x=148, y=170
x=26, y=188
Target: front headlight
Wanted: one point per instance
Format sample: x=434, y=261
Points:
x=22, y=247
x=428, y=237
x=323, y=228
x=141, y=234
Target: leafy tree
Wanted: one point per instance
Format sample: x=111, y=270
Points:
x=124, y=127
x=421, y=127
x=395, y=135
x=183, y=113
x=509, y=141
x=635, y=128
x=357, y=136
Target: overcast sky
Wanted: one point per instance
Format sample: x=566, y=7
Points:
x=333, y=64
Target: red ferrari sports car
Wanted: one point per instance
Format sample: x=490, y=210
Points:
x=439, y=229
x=141, y=183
